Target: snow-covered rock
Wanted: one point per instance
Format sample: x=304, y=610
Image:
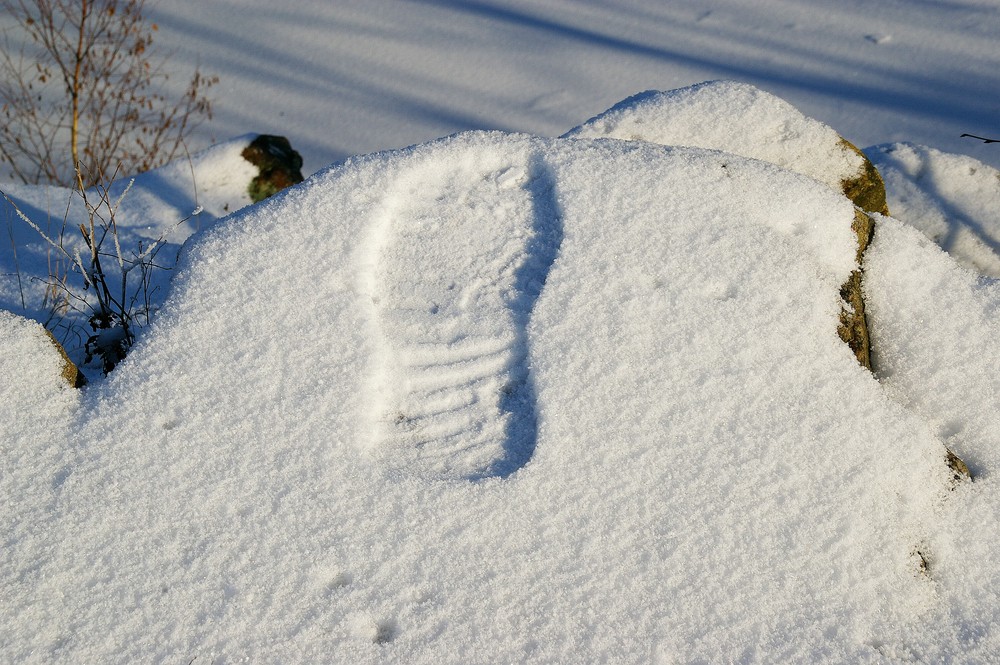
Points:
x=739, y=118
x=37, y=407
x=745, y=120
x=36, y=372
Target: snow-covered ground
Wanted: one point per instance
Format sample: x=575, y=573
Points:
x=507, y=398
x=352, y=77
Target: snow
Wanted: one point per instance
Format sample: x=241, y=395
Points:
x=734, y=117
x=553, y=318
x=353, y=77
x=952, y=199
x=498, y=397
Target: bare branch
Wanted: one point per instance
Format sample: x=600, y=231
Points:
x=85, y=87
x=984, y=140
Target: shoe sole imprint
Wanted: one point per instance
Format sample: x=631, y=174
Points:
x=463, y=252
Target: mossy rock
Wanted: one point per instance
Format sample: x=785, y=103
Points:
x=853, y=324
x=279, y=165
x=867, y=190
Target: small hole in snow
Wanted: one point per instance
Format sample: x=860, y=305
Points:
x=385, y=632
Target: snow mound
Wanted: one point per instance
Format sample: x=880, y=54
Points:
x=952, y=199
x=629, y=430
x=733, y=117
x=34, y=393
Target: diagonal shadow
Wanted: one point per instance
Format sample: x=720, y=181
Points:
x=818, y=81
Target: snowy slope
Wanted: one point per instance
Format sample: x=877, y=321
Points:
x=502, y=398
x=681, y=460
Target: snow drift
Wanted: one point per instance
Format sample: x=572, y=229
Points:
x=504, y=398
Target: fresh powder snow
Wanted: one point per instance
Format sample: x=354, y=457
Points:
x=505, y=398
x=953, y=199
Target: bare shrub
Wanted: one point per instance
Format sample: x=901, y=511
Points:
x=82, y=93
x=114, y=294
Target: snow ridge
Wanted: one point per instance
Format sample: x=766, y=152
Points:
x=457, y=400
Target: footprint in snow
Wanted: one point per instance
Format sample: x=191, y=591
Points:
x=462, y=257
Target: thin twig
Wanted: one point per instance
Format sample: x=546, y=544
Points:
x=980, y=138
x=17, y=267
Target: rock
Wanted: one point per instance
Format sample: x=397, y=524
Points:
x=70, y=372
x=744, y=120
x=866, y=189
x=33, y=362
x=280, y=166
x=959, y=469
x=853, y=327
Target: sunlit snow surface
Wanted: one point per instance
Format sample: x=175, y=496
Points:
x=642, y=438
x=734, y=117
x=953, y=199
x=500, y=398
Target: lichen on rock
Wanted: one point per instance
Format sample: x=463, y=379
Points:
x=866, y=190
